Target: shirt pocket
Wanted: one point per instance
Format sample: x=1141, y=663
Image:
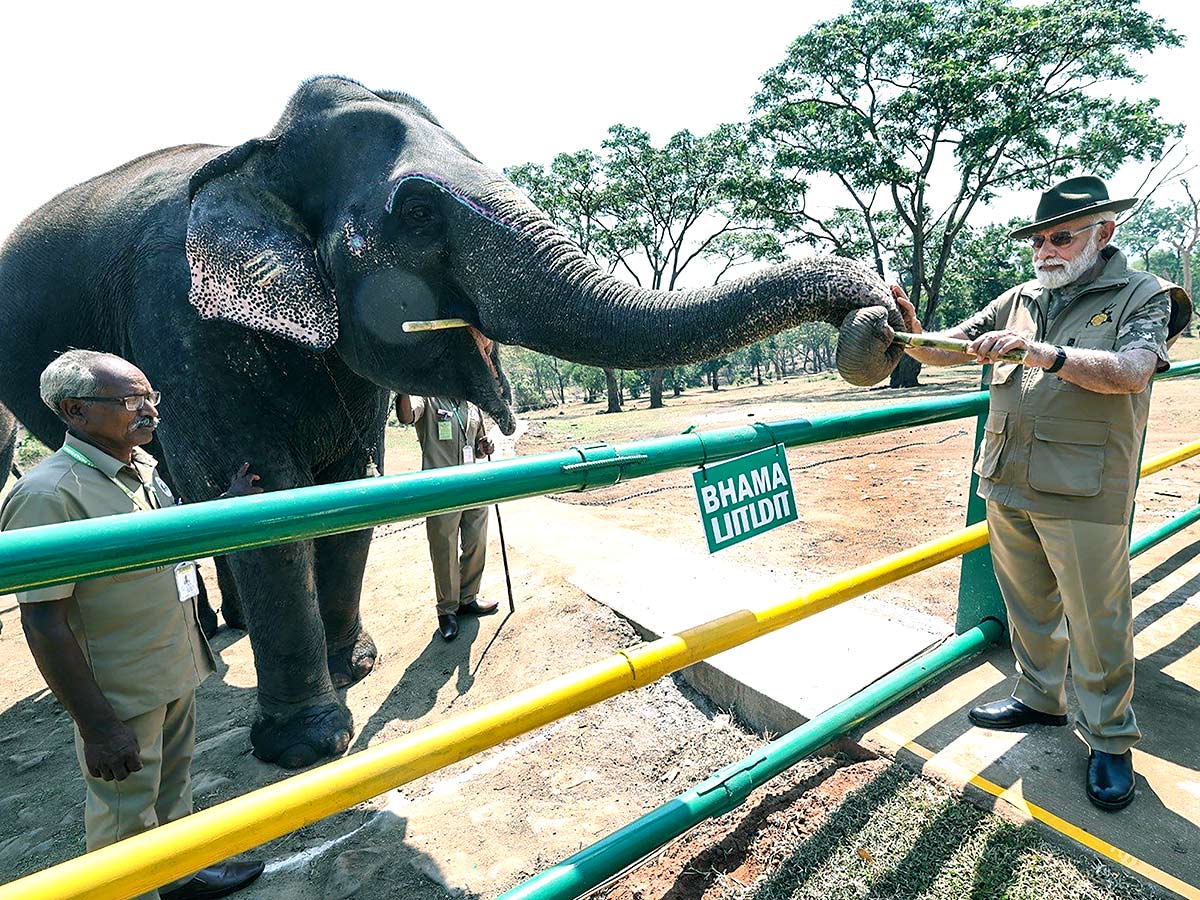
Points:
x=992, y=445
x=1067, y=456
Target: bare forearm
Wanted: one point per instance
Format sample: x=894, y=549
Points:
x=1099, y=371
x=61, y=663
x=404, y=410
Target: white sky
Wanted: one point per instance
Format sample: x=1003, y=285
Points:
x=90, y=87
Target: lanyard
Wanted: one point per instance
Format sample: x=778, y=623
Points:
x=461, y=424
x=76, y=455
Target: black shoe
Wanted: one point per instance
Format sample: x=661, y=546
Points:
x=448, y=626
x=1011, y=713
x=1110, y=779
x=216, y=881
x=477, y=607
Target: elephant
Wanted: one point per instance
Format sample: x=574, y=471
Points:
x=263, y=288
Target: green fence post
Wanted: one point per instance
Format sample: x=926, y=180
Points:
x=978, y=594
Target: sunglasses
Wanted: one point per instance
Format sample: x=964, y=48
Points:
x=132, y=403
x=1059, y=238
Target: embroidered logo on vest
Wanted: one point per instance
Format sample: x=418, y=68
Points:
x=1100, y=318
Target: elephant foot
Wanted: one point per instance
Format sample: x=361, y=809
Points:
x=312, y=734
x=353, y=662
x=207, y=619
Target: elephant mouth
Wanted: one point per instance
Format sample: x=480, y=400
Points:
x=484, y=345
x=489, y=386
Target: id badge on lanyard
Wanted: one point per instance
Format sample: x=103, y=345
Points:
x=445, y=426
x=187, y=581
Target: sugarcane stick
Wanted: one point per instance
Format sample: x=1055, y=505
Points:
x=435, y=324
x=945, y=343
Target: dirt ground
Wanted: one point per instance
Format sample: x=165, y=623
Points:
x=483, y=825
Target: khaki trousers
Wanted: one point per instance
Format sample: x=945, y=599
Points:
x=456, y=578
x=160, y=793
x=1066, y=588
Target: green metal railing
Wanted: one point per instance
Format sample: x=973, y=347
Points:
x=728, y=788
x=55, y=554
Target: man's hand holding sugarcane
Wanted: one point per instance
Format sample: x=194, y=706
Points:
x=991, y=347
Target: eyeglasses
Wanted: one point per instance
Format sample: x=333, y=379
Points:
x=1059, y=238
x=133, y=403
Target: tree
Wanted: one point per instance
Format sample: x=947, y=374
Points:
x=652, y=212
x=924, y=109
x=1186, y=231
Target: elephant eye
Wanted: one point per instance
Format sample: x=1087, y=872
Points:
x=416, y=212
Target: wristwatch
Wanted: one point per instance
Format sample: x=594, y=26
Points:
x=1060, y=357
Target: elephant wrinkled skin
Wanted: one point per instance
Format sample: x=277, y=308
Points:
x=263, y=289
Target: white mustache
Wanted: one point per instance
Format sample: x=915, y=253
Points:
x=142, y=421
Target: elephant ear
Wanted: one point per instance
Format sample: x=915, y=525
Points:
x=252, y=260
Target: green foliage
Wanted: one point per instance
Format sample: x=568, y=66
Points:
x=922, y=110
x=648, y=213
x=30, y=451
x=985, y=263
x=588, y=379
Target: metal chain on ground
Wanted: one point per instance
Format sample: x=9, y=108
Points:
x=575, y=499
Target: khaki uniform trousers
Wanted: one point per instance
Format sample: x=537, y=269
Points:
x=160, y=793
x=456, y=578
x=1066, y=587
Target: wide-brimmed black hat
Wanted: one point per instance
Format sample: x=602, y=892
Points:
x=1070, y=199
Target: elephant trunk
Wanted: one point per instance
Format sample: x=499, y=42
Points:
x=534, y=287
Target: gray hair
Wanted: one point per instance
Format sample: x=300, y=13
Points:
x=72, y=374
x=1107, y=216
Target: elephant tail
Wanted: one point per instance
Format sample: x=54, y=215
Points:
x=8, y=445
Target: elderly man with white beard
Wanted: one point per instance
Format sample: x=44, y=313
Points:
x=1058, y=467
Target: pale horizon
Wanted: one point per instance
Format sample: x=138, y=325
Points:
x=512, y=84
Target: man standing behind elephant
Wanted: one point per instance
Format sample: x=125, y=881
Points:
x=1058, y=467
x=123, y=654
x=451, y=433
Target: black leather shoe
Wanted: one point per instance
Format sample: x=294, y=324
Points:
x=216, y=881
x=1110, y=779
x=448, y=626
x=1011, y=713
x=476, y=607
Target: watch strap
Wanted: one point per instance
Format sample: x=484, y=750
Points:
x=1060, y=357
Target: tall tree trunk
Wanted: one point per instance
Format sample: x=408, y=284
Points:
x=656, y=386
x=758, y=372
x=905, y=374
x=614, y=391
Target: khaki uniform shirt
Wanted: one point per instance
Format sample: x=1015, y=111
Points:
x=460, y=420
x=143, y=645
x=1051, y=446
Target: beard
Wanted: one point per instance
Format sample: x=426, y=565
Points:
x=1061, y=276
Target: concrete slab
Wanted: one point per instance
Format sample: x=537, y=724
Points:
x=1039, y=773
x=663, y=588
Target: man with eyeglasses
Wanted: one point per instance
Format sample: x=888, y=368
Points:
x=124, y=653
x=1058, y=467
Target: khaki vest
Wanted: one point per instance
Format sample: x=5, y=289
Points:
x=1050, y=446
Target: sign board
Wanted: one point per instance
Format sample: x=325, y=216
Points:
x=745, y=496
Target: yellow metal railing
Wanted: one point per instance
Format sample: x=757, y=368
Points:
x=163, y=854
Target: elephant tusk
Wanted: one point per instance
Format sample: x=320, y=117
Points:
x=939, y=343
x=435, y=324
